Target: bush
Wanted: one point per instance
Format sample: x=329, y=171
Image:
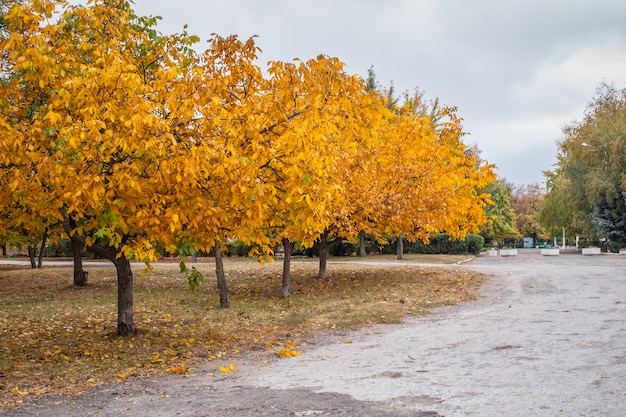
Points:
x=62, y=248
x=345, y=249
x=238, y=248
x=441, y=243
x=475, y=244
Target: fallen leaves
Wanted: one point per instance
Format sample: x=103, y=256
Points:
x=180, y=370
x=228, y=368
x=288, y=351
x=57, y=339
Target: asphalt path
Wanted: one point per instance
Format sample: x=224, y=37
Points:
x=547, y=337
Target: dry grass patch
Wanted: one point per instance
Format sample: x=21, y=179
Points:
x=59, y=339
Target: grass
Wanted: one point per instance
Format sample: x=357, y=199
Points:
x=56, y=339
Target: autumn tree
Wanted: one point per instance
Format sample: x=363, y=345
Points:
x=555, y=215
x=227, y=200
x=526, y=202
x=431, y=178
x=17, y=227
x=312, y=109
x=418, y=162
x=501, y=220
x=589, y=176
x=103, y=152
x=406, y=175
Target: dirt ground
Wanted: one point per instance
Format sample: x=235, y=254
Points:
x=546, y=338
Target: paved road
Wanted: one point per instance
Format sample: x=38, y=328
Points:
x=546, y=338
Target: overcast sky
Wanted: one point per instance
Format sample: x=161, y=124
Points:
x=518, y=70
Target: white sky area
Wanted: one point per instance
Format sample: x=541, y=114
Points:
x=518, y=70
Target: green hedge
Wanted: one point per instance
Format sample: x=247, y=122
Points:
x=442, y=244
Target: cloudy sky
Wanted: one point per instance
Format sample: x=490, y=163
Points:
x=518, y=70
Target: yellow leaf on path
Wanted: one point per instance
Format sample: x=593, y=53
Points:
x=180, y=370
x=228, y=369
x=287, y=353
x=156, y=358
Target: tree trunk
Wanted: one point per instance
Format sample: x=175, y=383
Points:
x=80, y=276
x=4, y=250
x=399, y=247
x=287, y=268
x=323, y=248
x=362, y=252
x=222, y=287
x=44, y=239
x=125, y=319
x=31, y=255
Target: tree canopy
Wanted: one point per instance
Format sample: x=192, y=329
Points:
x=587, y=187
x=501, y=222
x=134, y=143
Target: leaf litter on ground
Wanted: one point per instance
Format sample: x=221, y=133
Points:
x=58, y=339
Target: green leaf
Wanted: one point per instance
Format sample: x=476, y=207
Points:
x=195, y=278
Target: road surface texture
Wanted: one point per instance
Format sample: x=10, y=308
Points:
x=547, y=337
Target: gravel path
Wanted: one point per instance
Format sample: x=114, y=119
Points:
x=546, y=338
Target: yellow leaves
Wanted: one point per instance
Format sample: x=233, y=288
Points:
x=18, y=391
x=228, y=368
x=171, y=352
x=288, y=351
x=180, y=370
x=179, y=330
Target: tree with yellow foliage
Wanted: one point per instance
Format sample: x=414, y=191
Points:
x=405, y=175
x=133, y=142
x=315, y=107
x=95, y=129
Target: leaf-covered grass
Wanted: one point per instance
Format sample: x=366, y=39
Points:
x=59, y=339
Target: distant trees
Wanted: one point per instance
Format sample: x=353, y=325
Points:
x=501, y=219
x=526, y=201
x=587, y=188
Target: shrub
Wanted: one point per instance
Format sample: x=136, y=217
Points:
x=441, y=243
x=63, y=248
x=475, y=244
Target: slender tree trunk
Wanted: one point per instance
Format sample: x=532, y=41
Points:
x=399, y=247
x=80, y=276
x=44, y=239
x=4, y=250
x=362, y=252
x=287, y=268
x=323, y=248
x=125, y=318
x=222, y=287
x=31, y=256
x=194, y=257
